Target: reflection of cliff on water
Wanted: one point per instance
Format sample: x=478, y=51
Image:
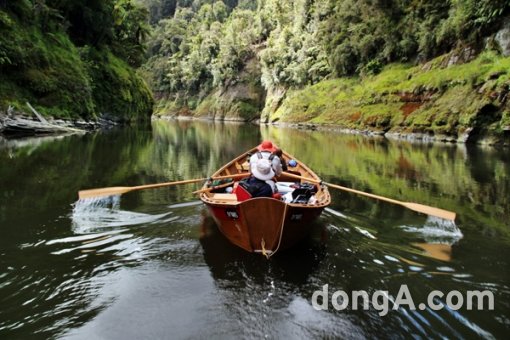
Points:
x=229, y=263
x=473, y=182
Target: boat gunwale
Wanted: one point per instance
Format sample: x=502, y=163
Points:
x=219, y=202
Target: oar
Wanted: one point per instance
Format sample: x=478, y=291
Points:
x=122, y=190
x=212, y=188
x=424, y=209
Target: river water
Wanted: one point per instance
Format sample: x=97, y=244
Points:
x=152, y=264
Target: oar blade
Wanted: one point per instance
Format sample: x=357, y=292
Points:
x=432, y=211
x=111, y=191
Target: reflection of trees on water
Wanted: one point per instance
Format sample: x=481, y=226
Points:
x=469, y=180
x=187, y=150
x=43, y=179
x=199, y=146
x=54, y=170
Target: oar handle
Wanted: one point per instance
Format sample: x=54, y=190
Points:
x=244, y=174
x=165, y=184
x=291, y=175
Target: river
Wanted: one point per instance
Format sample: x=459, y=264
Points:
x=152, y=264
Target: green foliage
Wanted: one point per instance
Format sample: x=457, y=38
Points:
x=292, y=56
x=468, y=19
x=373, y=67
x=49, y=67
x=204, y=48
x=119, y=91
x=87, y=22
x=200, y=48
x=49, y=56
x=203, y=45
x=131, y=31
x=358, y=32
x=440, y=100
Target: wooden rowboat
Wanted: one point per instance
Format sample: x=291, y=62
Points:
x=263, y=225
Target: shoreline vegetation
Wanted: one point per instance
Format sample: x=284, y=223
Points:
x=435, y=102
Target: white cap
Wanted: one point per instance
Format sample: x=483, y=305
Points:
x=262, y=169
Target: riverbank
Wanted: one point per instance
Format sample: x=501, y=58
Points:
x=21, y=125
x=458, y=97
x=437, y=101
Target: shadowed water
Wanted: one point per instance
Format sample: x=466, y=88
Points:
x=152, y=263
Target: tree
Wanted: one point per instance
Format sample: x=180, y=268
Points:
x=131, y=30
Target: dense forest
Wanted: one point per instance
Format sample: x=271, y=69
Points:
x=204, y=43
x=73, y=59
x=364, y=64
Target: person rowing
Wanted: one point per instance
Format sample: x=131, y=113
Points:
x=267, y=150
x=264, y=166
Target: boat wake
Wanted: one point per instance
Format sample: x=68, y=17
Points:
x=100, y=226
x=99, y=214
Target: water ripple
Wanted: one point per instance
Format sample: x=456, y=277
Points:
x=436, y=230
x=92, y=215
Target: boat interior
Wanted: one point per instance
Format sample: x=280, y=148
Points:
x=292, y=190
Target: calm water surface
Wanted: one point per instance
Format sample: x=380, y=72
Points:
x=152, y=264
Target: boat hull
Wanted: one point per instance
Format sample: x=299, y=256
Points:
x=264, y=225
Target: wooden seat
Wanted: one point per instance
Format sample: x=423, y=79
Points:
x=243, y=167
x=224, y=197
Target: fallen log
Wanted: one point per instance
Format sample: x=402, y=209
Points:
x=37, y=114
x=12, y=125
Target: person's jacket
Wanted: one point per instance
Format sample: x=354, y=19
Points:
x=257, y=188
